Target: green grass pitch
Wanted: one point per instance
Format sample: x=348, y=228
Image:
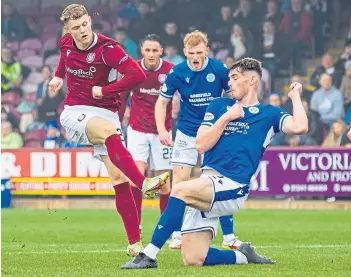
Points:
x=92, y=243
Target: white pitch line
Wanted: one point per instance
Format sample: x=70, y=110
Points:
x=65, y=252
x=307, y=246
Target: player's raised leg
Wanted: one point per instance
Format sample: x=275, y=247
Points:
x=181, y=173
x=100, y=131
x=125, y=206
x=164, y=192
x=191, y=192
x=230, y=241
x=137, y=194
x=198, y=194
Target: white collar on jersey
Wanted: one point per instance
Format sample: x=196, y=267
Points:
x=157, y=68
x=203, y=67
x=245, y=106
x=93, y=43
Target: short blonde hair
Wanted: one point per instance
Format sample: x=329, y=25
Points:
x=73, y=12
x=195, y=38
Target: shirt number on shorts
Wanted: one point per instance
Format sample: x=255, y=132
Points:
x=167, y=153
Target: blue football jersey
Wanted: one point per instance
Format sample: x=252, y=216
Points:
x=239, y=150
x=197, y=89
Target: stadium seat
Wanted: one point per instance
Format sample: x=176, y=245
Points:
x=30, y=11
x=50, y=43
x=33, y=62
x=35, y=135
x=46, y=20
x=24, y=53
x=10, y=98
x=52, y=61
x=54, y=11
x=32, y=144
x=54, y=27
x=32, y=43
x=34, y=78
x=49, y=35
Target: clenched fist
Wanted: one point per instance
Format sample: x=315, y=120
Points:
x=236, y=111
x=295, y=90
x=56, y=83
x=97, y=92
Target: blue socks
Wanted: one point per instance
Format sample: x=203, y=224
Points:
x=227, y=224
x=219, y=257
x=170, y=220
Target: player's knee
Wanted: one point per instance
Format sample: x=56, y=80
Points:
x=118, y=179
x=107, y=130
x=192, y=259
x=180, y=191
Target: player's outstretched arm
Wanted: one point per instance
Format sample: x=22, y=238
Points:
x=207, y=137
x=115, y=57
x=298, y=122
x=160, y=117
x=57, y=82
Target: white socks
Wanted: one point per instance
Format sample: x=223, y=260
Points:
x=151, y=251
x=228, y=238
x=177, y=234
x=240, y=258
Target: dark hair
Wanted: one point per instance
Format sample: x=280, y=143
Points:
x=46, y=66
x=248, y=64
x=152, y=37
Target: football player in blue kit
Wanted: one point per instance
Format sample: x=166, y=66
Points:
x=199, y=80
x=233, y=135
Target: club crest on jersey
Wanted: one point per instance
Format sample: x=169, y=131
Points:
x=68, y=52
x=164, y=88
x=187, y=79
x=162, y=78
x=210, y=77
x=209, y=116
x=253, y=110
x=90, y=57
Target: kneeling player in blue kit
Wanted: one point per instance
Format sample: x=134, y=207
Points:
x=234, y=135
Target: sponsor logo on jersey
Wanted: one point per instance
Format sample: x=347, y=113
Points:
x=81, y=73
x=187, y=79
x=253, y=110
x=150, y=91
x=208, y=116
x=171, y=71
x=164, y=88
x=162, y=78
x=210, y=77
x=90, y=57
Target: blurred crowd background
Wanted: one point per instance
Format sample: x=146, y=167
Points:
x=306, y=41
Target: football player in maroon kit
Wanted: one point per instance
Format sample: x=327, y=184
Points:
x=91, y=105
x=143, y=139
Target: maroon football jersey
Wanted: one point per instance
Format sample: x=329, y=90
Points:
x=144, y=97
x=85, y=69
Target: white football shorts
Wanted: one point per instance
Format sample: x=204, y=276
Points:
x=228, y=197
x=75, y=118
x=184, y=150
x=143, y=146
